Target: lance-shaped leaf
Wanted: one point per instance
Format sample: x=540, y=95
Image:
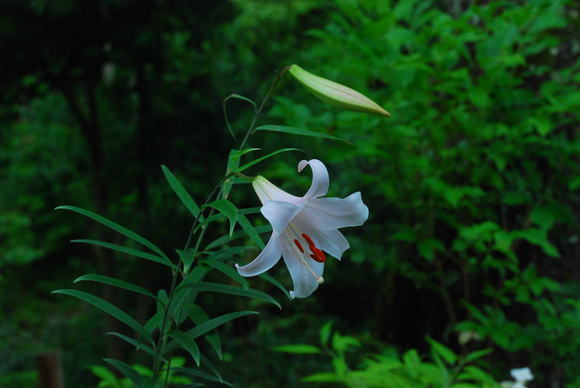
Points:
x=227, y=270
x=128, y=251
x=115, y=283
x=138, y=345
x=208, y=326
x=187, y=343
x=200, y=374
x=260, y=159
x=181, y=192
x=116, y=227
x=298, y=131
x=109, y=309
x=231, y=290
x=198, y=316
x=335, y=93
x=226, y=208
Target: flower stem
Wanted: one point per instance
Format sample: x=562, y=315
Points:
x=261, y=107
x=164, y=327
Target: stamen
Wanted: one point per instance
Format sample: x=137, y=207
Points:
x=320, y=255
x=309, y=240
x=299, y=245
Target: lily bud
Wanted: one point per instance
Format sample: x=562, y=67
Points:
x=335, y=93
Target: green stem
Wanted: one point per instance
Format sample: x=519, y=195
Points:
x=162, y=334
x=261, y=107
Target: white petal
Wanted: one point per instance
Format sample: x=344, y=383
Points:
x=335, y=213
x=305, y=282
x=279, y=214
x=267, y=191
x=330, y=241
x=320, y=180
x=265, y=260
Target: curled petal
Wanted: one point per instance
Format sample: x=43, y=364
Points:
x=279, y=214
x=320, y=180
x=334, y=213
x=265, y=260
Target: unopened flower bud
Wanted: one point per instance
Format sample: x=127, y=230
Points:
x=335, y=93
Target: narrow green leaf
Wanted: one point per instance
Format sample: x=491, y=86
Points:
x=200, y=374
x=114, y=282
x=214, y=323
x=256, y=161
x=250, y=230
x=116, y=227
x=227, y=270
x=232, y=165
x=249, y=210
x=127, y=371
x=183, y=195
x=227, y=238
x=109, y=309
x=198, y=316
x=205, y=327
x=232, y=290
x=187, y=343
x=230, y=253
x=299, y=131
x=226, y=208
x=129, y=251
x=237, y=154
x=276, y=283
x=138, y=345
x=210, y=365
x=297, y=349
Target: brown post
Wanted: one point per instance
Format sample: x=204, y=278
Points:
x=49, y=370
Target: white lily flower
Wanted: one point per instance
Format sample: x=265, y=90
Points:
x=304, y=228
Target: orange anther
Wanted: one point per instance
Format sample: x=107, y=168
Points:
x=298, y=245
x=309, y=240
x=320, y=255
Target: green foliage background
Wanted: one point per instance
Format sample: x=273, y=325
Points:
x=472, y=184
